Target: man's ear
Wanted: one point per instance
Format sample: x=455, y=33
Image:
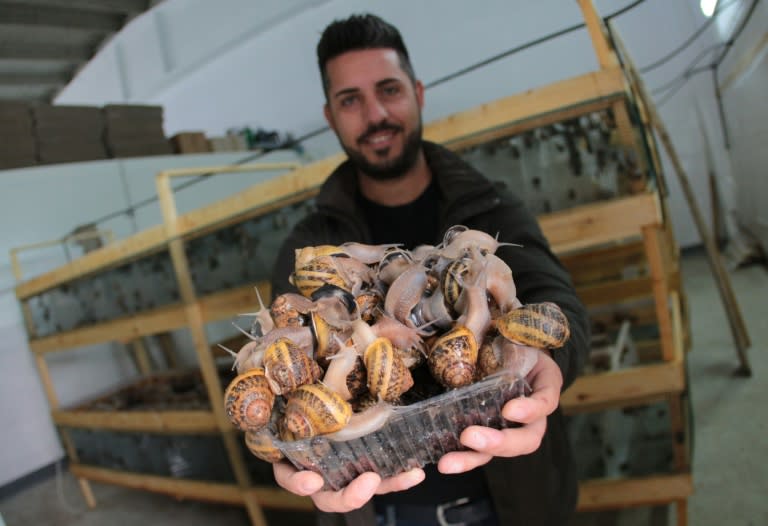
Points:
x=419, y=87
x=329, y=116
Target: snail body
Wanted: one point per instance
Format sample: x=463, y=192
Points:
x=248, y=400
x=540, y=325
x=290, y=310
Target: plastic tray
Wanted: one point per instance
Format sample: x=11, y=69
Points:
x=413, y=436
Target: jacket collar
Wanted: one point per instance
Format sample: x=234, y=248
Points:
x=463, y=190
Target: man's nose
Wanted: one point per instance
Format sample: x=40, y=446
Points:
x=376, y=111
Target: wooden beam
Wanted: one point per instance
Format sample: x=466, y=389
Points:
x=216, y=306
x=605, y=55
x=119, y=252
x=269, y=497
x=632, y=386
x=473, y=126
x=744, y=62
x=146, y=421
x=600, y=223
x=607, y=494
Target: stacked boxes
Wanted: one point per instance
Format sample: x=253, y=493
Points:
x=68, y=133
x=134, y=130
x=17, y=142
x=190, y=142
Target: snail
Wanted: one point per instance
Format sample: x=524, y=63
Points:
x=248, y=400
x=540, y=325
x=460, y=240
x=325, y=330
x=392, y=264
x=287, y=366
x=368, y=254
x=500, y=284
x=262, y=322
x=318, y=272
x=290, y=310
x=346, y=372
x=262, y=445
x=365, y=422
x=405, y=293
x=388, y=376
x=452, y=358
x=313, y=409
x=369, y=304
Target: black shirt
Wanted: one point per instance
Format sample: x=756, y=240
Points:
x=412, y=224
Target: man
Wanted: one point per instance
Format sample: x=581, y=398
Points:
x=397, y=188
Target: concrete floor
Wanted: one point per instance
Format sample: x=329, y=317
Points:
x=730, y=444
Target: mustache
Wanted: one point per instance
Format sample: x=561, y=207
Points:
x=375, y=128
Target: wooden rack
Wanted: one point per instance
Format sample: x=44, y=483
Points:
x=632, y=228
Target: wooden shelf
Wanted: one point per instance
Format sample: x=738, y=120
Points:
x=610, y=494
x=267, y=497
x=146, y=421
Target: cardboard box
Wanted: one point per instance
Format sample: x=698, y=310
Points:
x=190, y=142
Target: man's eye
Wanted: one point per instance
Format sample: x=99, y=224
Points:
x=347, y=101
x=391, y=90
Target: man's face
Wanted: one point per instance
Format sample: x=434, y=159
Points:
x=375, y=111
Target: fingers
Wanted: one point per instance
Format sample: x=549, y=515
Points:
x=546, y=380
x=353, y=496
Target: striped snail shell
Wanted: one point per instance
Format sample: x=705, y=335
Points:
x=452, y=358
x=540, y=325
x=248, y=400
x=313, y=409
x=320, y=271
x=327, y=336
x=388, y=376
x=303, y=256
x=452, y=281
x=287, y=366
x=261, y=444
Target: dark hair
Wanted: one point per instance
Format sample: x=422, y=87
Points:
x=358, y=32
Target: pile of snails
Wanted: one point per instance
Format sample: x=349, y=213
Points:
x=335, y=358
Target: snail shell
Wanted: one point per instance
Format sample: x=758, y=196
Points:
x=313, y=409
x=290, y=310
x=303, y=256
x=287, y=366
x=248, y=400
x=540, y=325
x=489, y=359
x=318, y=272
x=453, y=357
x=327, y=337
x=261, y=444
x=388, y=376
x=452, y=281
x=369, y=304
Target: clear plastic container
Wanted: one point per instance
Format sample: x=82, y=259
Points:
x=413, y=436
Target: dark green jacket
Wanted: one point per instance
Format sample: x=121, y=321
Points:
x=537, y=489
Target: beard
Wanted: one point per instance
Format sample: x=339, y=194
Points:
x=387, y=169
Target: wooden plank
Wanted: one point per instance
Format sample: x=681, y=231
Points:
x=653, y=249
x=147, y=421
x=473, y=126
x=633, y=386
x=143, y=362
x=269, y=497
x=217, y=306
x=605, y=55
x=607, y=494
x=196, y=322
x=615, y=291
x=600, y=223
x=602, y=263
x=119, y=252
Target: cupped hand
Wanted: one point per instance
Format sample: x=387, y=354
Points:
x=353, y=496
x=545, y=380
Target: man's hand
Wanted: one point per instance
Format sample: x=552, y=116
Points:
x=355, y=495
x=545, y=380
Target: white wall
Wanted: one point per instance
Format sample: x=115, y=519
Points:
x=746, y=110
x=232, y=63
